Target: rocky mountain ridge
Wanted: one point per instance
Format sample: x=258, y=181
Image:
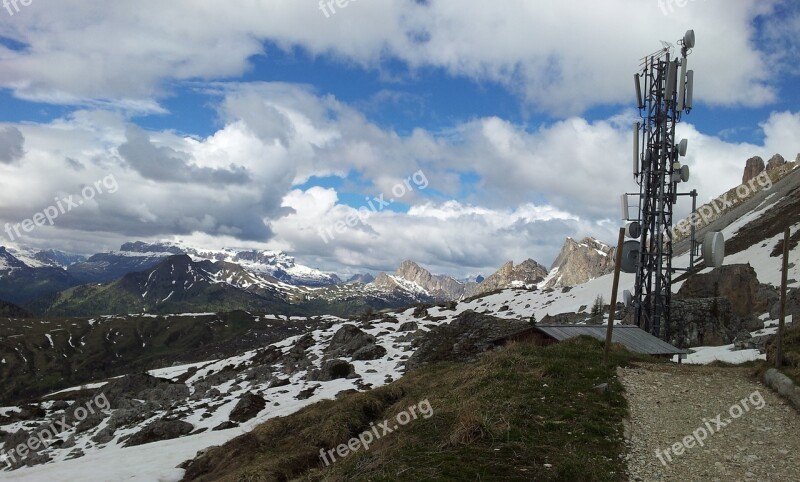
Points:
x=579, y=262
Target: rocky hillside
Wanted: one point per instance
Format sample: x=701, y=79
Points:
x=416, y=280
x=579, y=262
x=526, y=274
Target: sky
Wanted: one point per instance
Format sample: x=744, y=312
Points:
x=355, y=134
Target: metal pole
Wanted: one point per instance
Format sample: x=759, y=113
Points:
x=779, y=347
x=613, y=308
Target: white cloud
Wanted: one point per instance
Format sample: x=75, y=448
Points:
x=560, y=56
x=494, y=191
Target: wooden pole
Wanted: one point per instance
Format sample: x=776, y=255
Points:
x=613, y=308
x=784, y=274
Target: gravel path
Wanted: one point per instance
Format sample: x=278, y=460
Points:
x=669, y=403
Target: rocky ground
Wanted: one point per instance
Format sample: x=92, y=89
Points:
x=670, y=402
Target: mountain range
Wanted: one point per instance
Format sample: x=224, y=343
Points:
x=175, y=278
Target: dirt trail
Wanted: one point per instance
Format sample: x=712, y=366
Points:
x=669, y=403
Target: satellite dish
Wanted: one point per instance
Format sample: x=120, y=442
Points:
x=714, y=249
x=685, y=173
x=627, y=297
x=633, y=230
x=630, y=256
x=688, y=39
x=683, y=146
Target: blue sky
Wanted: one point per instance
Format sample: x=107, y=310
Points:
x=265, y=125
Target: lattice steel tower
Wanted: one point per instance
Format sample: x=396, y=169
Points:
x=663, y=94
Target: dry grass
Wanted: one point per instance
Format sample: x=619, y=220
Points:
x=502, y=418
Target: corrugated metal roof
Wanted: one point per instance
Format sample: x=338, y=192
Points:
x=632, y=337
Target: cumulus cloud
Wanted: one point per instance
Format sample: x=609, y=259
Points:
x=494, y=191
x=166, y=164
x=12, y=144
x=559, y=58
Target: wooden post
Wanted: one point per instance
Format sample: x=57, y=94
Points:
x=784, y=274
x=613, y=308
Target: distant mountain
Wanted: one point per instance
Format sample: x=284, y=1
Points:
x=21, y=283
x=273, y=263
x=175, y=285
x=579, y=262
x=58, y=259
x=526, y=274
x=413, y=279
x=361, y=278
x=131, y=257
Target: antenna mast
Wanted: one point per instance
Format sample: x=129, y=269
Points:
x=664, y=92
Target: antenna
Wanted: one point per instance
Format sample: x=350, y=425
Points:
x=689, y=89
x=639, y=100
x=625, y=213
x=672, y=73
x=664, y=92
x=683, y=146
x=668, y=47
x=682, y=84
x=636, y=154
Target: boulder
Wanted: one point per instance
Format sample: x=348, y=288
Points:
x=738, y=283
x=407, y=326
x=160, y=430
x=308, y=392
x=743, y=340
x=348, y=340
x=332, y=370
x=369, y=352
x=248, y=406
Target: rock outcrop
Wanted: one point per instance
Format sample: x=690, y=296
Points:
x=775, y=162
x=738, y=283
x=248, y=406
x=753, y=167
x=160, y=430
x=463, y=339
x=706, y=322
x=579, y=262
x=348, y=340
x=527, y=273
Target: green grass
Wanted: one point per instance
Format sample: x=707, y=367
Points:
x=502, y=418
